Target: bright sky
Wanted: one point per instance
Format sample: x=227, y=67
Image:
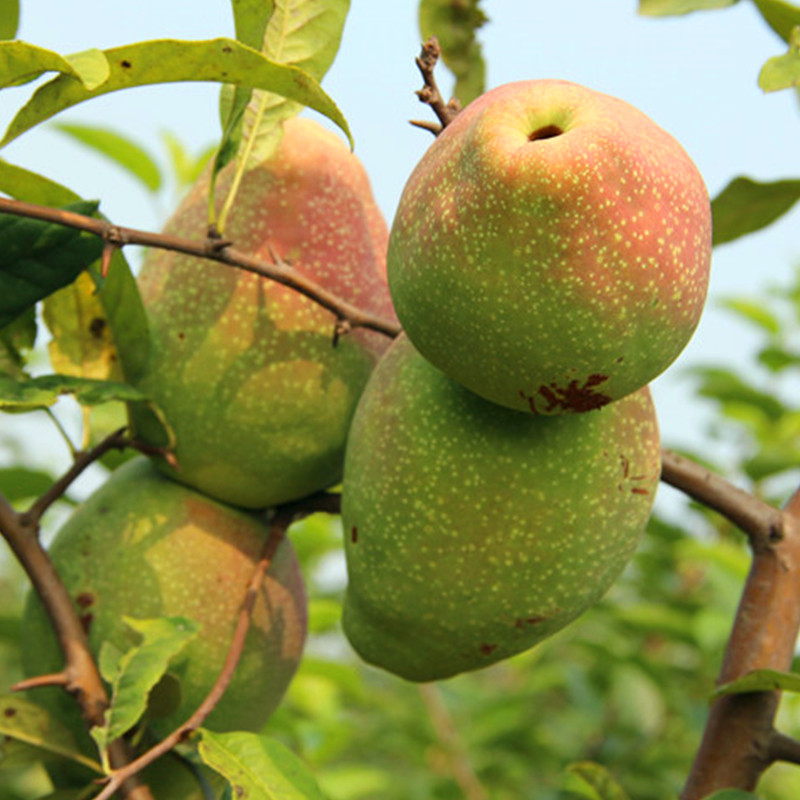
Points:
x=695, y=76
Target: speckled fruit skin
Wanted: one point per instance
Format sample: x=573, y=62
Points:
x=145, y=546
x=551, y=250
x=242, y=367
x=473, y=531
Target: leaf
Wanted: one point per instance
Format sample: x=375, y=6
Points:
x=138, y=670
x=27, y=722
x=782, y=72
x=728, y=388
x=22, y=184
x=257, y=767
x=669, y=8
x=733, y=794
x=745, y=206
x=454, y=23
x=780, y=16
x=16, y=339
x=305, y=34
x=82, y=343
x=22, y=483
x=171, y=60
x=21, y=62
x=37, y=257
x=753, y=312
x=761, y=680
x=122, y=150
x=599, y=779
x=776, y=359
x=9, y=18
x=44, y=390
x=772, y=461
x=250, y=19
x=185, y=167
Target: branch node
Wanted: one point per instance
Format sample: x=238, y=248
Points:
x=342, y=328
x=429, y=93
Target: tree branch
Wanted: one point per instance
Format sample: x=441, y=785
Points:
x=212, y=249
x=429, y=93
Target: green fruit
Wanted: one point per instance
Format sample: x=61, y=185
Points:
x=244, y=368
x=472, y=531
x=145, y=546
x=551, y=249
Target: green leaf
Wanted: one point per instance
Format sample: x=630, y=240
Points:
x=599, y=779
x=38, y=257
x=256, y=767
x=82, y=342
x=761, y=680
x=669, y=8
x=302, y=33
x=755, y=313
x=186, y=167
x=745, y=206
x=122, y=150
x=729, y=389
x=21, y=483
x=44, y=390
x=16, y=339
x=27, y=722
x=771, y=461
x=783, y=72
x=250, y=18
x=454, y=23
x=9, y=18
x=21, y=62
x=139, y=670
x=776, y=359
x=169, y=60
x=779, y=15
x=22, y=184
x=733, y=794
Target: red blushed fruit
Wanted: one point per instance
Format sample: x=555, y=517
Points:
x=243, y=368
x=551, y=250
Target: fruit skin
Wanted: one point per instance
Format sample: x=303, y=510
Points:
x=145, y=546
x=243, y=367
x=473, y=531
x=557, y=273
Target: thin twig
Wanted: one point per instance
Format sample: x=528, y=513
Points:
x=210, y=249
x=783, y=748
x=429, y=93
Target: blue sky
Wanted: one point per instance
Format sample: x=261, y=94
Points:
x=694, y=75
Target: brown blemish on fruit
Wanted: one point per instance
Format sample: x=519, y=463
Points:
x=9, y=712
x=85, y=600
x=488, y=649
x=354, y=534
x=573, y=397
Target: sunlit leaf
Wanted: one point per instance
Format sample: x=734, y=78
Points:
x=771, y=461
x=783, y=72
x=138, y=670
x=761, y=680
x=22, y=483
x=250, y=18
x=454, y=23
x=755, y=313
x=776, y=359
x=122, y=150
x=257, y=767
x=728, y=388
x=27, y=722
x=21, y=62
x=185, y=167
x=601, y=781
x=780, y=16
x=22, y=184
x=38, y=257
x=44, y=390
x=668, y=8
x=745, y=206
x=168, y=60
x=9, y=18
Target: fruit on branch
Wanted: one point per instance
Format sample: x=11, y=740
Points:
x=145, y=546
x=551, y=249
x=473, y=531
x=244, y=368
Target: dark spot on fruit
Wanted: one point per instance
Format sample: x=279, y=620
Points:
x=86, y=622
x=125, y=64
x=9, y=712
x=572, y=397
x=354, y=534
x=487, y=649
x=620, y=360
x=85, y=600
x=181, y=335
x=637, y=490
x=97, y=326
x=626, y=465
x=545, y=132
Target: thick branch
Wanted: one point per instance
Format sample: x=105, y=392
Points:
x=212, y=249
